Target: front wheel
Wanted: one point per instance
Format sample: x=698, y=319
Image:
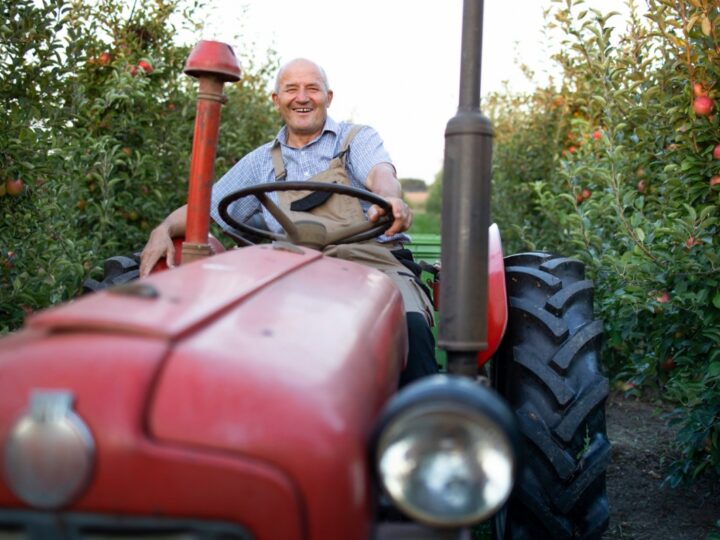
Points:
x=548, y=369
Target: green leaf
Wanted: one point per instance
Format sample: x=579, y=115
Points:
x=714, y=369
x=706, y=26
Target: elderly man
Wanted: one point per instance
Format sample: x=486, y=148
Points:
x=312, y=146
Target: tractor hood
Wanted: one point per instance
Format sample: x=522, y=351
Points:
x=294, y=377
x=273, y=356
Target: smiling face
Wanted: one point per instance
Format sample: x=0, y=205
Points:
x=302, y=98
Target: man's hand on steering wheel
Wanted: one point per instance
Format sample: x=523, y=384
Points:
x=401, y=212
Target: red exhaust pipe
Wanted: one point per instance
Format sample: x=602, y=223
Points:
x=214, y=64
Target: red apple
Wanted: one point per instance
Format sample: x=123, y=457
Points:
x=596, y=134
x=716, y=152
x=579, y=198
x=14, y=187
x=586, y=193
x=699, y=90
x=714, y=181
x=146, y=67
x=668, y=364
x=133, y=71
x=8, y=262
x=703, y=106
x=104, y=59
x=663, y=297
x=692, y=241
x=572, y=149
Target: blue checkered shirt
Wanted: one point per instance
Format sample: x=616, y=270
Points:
x=366, y=151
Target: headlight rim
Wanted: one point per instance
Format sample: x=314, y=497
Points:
x=443, y=393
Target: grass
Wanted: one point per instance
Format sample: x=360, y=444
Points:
x=425, y=223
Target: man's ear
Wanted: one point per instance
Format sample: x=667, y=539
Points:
x=330, y=96
x=275, y=100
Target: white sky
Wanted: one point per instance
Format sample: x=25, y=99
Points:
x=393, y=64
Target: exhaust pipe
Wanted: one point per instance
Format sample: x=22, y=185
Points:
x=214, y=64
x=466, y=211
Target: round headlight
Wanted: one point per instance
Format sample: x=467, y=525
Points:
x=446, y=457
x=49, y=452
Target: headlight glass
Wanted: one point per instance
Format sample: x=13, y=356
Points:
x=445, y=464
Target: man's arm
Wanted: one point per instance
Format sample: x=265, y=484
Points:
x=160, y=242
x=382, y=181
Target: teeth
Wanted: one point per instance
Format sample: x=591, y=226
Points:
x=303, y=110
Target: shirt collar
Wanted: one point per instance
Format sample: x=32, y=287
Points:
x=330, y=125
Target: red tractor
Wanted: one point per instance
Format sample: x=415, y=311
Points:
x=239, y=396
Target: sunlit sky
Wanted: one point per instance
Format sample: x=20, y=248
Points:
x=393, y=64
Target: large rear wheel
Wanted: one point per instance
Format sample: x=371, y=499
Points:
x=548, y=369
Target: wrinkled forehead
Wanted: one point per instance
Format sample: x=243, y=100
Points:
x=301, y=73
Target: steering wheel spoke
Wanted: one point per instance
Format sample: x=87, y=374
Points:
x=282, y=218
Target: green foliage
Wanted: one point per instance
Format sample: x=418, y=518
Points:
x=101, y=143
x=611, y=164
x=425, y=223
x=413, y=185
x=434, y=200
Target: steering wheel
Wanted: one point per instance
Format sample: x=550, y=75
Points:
x=307, y=233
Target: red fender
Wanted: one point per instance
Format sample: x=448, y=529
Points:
x=497, y=309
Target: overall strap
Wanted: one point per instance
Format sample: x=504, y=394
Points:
x=278, y=163
x=346, y=143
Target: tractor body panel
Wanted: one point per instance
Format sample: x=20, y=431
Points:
x=299, y=386
x=497, y=308
x=242, y=390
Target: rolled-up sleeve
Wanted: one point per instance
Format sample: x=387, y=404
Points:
x=366, y=151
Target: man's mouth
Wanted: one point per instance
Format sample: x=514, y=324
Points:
x=303, y=110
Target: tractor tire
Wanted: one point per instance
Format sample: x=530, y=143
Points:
x=117, y=270
x=548, y=369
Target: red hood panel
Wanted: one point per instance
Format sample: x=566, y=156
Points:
x=110, y=390
x=188, y=296
x=295, y=377
x=110, y=376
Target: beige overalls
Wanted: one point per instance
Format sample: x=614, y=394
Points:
x=340, y=211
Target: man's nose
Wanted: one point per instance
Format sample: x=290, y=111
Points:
x=301, y=95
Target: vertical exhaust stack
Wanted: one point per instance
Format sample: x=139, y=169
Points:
x=466, y=211
x=214, y=64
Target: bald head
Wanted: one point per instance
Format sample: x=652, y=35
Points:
x=301, y=63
